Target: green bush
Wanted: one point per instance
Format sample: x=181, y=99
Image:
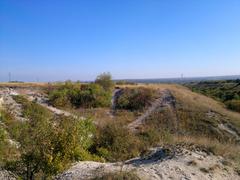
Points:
x=234, y=105
x=32, y=110
x=86, y=96
x=61, y=95
x=135, y=99
x=115, y=143
x=93, y=95
x=48, y=144
x=2, y=144
x=13, y=126
x=59, y=98
x=150, y=137
x=8, y=150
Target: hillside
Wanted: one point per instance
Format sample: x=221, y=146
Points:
x=191, y=118
x=227, y=91
x=187, y=112
x=132, y=120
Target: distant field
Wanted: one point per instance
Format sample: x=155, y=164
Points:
x=28, y=84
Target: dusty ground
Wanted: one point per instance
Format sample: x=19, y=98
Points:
x=6, y=175
x=7, y=101
x=183, y=164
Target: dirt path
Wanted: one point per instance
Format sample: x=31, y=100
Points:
x=165, y=100
x=16, y=109
x=43, y=101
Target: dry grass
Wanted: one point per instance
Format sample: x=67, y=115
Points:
x=200, y=102
x=26, y=85
x=103, y=116
x=227, y=150
x=230, y=152
x=118, y=176
x=193, y=101
x=189, y=100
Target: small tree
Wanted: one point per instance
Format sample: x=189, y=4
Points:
x=105, y=80
x=48, y=144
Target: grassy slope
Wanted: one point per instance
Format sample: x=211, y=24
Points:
x=195, y=101
x=187, y=99
x=198, y=101
x=190, y=103
x=227, y=92
x=194, y=113
x=195, y=104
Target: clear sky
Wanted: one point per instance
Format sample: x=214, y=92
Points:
x=78, y=39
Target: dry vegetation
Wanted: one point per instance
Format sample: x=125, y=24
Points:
x=24, y=85
x=191, y=121
x=230, y=151
x=103, y=116
x=118, y=176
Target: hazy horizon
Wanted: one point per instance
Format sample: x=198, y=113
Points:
x=138, y=39
x=137, y=80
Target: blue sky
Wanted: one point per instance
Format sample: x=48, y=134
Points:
x=75, y=39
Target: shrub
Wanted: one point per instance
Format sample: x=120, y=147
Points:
x=135, y=99
x=234, y=105
x=93, y=95
x=49, y=144
x=8, y=150
x=50, y=147
x=150, y=137
x=115, y=143
x=86, y=96
x=61, y=95
x=3, y=144
x=13, y=126
x=59, y=98
x=47, y=149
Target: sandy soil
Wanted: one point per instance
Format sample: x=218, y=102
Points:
x=183, y=164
